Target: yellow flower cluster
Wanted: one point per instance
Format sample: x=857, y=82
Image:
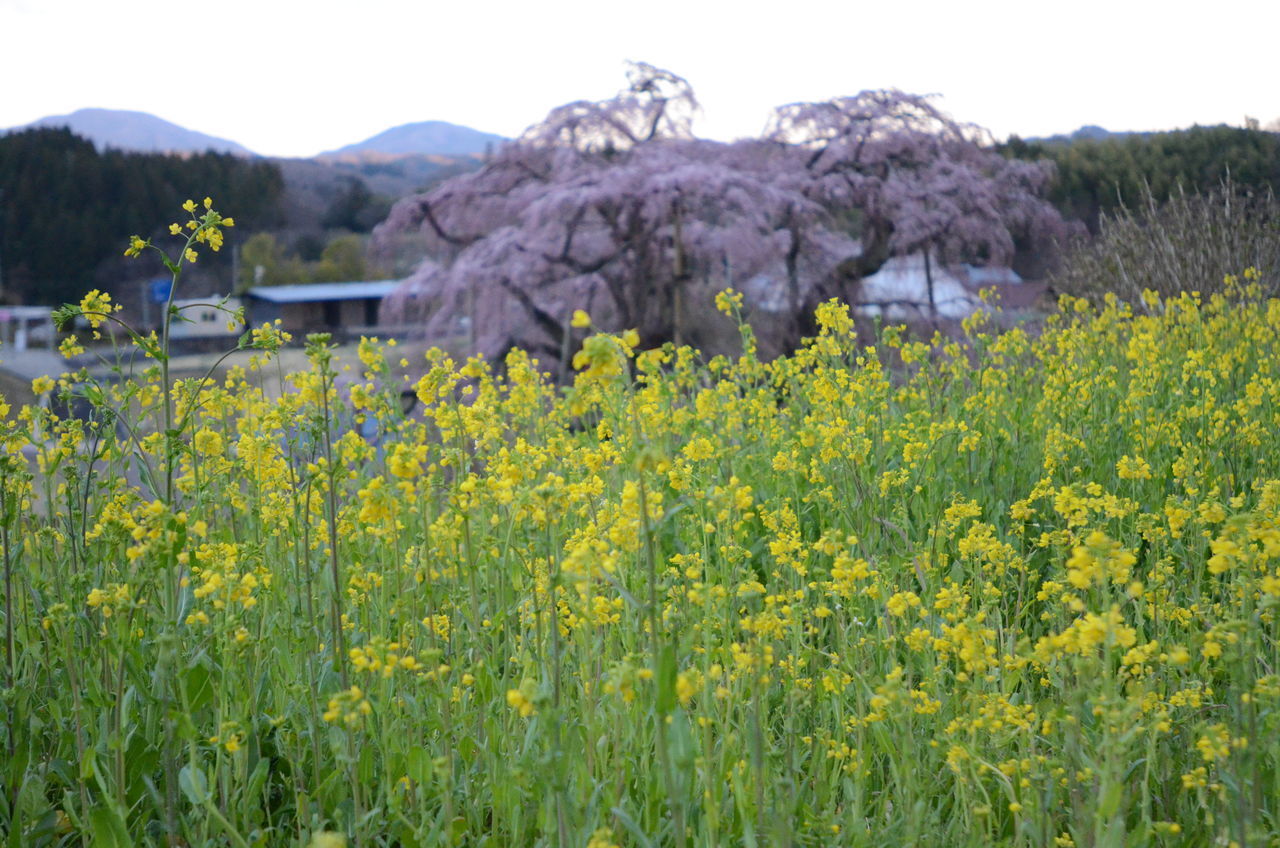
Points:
x=522, y=699
x=108, y=600
x=348, y=708
x=382, y=658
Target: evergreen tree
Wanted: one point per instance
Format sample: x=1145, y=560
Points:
x=64, y=204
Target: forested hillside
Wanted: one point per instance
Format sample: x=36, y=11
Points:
x=1098, y=175
x=63, y=205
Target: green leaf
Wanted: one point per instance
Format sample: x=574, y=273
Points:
x=683, y=751
x=194, y=785
x=629, y=823
x=198, y=683
x=108, y=827
x=1111, y=798
x=418, y=765
x=17, y=766
x=256, y=781
x=407, y=837
x=457, y=830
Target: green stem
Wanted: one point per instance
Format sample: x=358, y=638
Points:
x=11, y=742
x=664, y=755
x=340, y=658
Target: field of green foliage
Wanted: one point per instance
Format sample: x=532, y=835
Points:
x=1015, y=588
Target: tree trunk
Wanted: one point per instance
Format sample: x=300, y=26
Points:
x=679, y=278
x=928, y=279
x=875, y=252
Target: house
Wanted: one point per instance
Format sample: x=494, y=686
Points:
x=338, y=308
x=900, y=290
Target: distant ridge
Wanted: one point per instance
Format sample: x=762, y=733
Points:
x=1088, y=132
x=139, y=131
x=433, y=138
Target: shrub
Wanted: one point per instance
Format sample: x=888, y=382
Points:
x=1192, y=242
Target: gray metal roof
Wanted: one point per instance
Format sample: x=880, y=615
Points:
x=313, y=292
x=28, y=313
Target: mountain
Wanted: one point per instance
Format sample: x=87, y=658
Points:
x=1092, y=132
x=140, y=131
x=1088, y=132
x=429, y=137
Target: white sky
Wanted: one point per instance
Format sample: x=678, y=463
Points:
x=292, y=78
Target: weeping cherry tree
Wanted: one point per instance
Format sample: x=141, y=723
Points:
x=617, y=208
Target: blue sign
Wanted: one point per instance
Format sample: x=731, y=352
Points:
x=160, y=289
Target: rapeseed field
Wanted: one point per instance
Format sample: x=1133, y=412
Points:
x=1016, y=588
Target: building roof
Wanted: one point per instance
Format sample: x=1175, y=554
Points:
x=25, y=313
x=314, y=292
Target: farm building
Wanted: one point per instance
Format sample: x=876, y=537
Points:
x=318, y=307
x=900, y=290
